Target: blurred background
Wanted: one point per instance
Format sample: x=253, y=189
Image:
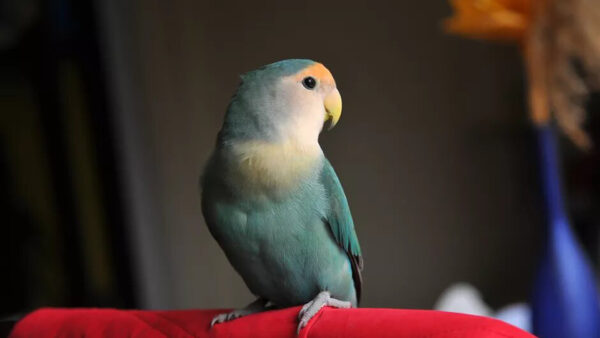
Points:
x=109, y=109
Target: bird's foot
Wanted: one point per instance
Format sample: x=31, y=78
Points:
x=257, y=306
x=310, y=309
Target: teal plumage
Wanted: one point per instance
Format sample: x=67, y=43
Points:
x=341, y=224
x=272, y=200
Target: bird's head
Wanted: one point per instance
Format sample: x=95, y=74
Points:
x=289, y=100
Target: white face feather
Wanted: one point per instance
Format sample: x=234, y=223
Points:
x=305, y=115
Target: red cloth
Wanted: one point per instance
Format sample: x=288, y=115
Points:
x=329, y=322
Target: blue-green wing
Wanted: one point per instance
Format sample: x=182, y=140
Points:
x=340, y=221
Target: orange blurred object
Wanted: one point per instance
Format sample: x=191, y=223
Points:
x=503, y=20
x=552, y=34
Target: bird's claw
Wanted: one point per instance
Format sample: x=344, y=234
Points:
x=225, y=317
x=304, y=308
x=310, y=309
x=257, y=306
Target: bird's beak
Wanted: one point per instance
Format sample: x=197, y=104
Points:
x=333, y=107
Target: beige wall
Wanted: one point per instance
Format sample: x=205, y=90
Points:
x=433, y=147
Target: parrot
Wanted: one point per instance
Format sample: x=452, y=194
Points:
x=273, y=201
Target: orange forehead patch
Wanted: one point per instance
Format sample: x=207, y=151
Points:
x=318, y=71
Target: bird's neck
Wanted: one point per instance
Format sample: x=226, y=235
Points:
x=277, y=166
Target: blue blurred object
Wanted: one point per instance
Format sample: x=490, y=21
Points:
x=565, y=299
x=518, y=314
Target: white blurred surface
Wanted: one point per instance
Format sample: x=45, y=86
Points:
x=465, y=298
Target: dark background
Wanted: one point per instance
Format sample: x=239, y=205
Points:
x=109, y=109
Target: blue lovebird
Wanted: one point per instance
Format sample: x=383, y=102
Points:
x=273, y=201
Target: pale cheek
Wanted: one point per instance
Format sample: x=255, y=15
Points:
x=304, y=114
x=307, y=119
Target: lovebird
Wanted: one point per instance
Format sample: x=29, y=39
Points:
x=272, y=200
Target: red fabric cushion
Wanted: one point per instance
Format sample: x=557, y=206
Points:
x=329, y=322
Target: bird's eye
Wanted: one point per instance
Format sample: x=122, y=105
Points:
x=309, y=82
